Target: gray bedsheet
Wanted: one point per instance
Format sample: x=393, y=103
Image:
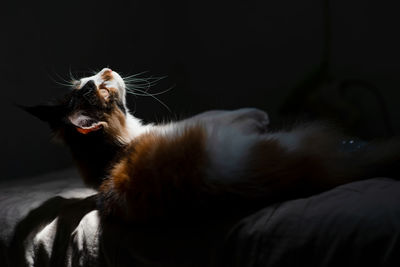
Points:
x=356, y=224
x=52, y=220
x=41, y=216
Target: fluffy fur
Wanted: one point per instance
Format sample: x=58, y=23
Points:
x=151, y=171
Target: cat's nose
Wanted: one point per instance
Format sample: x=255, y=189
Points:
x=106, y=74
x=106, y=69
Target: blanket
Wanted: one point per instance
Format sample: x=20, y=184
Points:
x=52, y=220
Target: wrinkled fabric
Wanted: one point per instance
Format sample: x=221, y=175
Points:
x=48, y=220
x=52, y=220
x=356, y=224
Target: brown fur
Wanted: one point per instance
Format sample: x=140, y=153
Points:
x=275, y=173
x=158, y=174
x=116, y=125
x=113, y=90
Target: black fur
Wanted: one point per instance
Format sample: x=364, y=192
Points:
x=94, y=152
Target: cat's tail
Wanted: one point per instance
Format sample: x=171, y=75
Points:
x=275, y=174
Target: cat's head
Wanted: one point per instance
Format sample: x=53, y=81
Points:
x=96, y=105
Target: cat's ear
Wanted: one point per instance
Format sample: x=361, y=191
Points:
x=49, y=112
x=85, y=124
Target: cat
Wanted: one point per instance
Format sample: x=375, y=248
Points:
x=148, y=172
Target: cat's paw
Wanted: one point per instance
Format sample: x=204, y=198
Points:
x=251, y=120
x=247, y=120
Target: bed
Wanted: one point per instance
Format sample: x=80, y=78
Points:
x=52, y=220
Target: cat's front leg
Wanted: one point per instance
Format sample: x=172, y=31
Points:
x=247, y=120
x=250, y=120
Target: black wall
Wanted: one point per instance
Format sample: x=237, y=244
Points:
x=218, y=54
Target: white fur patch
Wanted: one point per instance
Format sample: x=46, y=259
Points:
x=116, y=82
x=135, y=126
x=228, y=151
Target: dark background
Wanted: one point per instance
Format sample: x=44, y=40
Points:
x=291, y=58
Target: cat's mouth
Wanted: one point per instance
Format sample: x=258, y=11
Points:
x=92, y=128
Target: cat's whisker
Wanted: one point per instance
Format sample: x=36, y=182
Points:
x=145, y=78
x=135, y=75
x=93, y=71
x=156, y=93
x=143, y=83
x=144, y=93
x=71, y=75
x=63, y=82
x=144, y=86
x=141, y=94
x=133, y=86
x=139, y=86
x=150, y=79
x=135, y=78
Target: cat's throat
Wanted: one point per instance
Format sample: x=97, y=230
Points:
x=94, y=156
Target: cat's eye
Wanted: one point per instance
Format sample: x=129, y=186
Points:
x=104, y=93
